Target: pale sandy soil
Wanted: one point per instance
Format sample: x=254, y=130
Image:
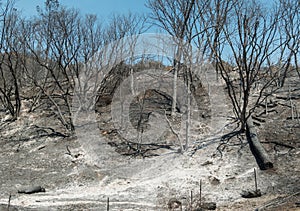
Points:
x=94, y=171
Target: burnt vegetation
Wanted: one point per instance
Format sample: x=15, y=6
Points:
x=252, y=47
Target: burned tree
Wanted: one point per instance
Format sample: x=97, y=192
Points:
x=249, y=39
x=11, y=46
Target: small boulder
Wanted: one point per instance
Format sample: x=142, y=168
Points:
x=174, y=204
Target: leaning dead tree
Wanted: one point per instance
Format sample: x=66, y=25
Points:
x=262, y=157
x=253, y=47
x=249, y=38
x=252, y=54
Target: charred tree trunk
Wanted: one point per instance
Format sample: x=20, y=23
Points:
x=260, y=154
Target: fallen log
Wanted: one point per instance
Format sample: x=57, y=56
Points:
x=260, y=154
x=278, y=143
x=251, y=194
x=31, y=190
x=261, y=120
x=293, y=97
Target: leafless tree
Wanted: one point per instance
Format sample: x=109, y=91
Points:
x=57, y=42
x=289, y=35
x=10, y=66
x=250, y=40
x=122, y=33
x=126, y=28
x=211, y=18
x=177, y=19
x=174, y=17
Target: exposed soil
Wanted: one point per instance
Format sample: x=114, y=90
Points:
x=146, y=178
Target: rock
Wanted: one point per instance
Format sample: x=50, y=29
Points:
x=31, y=190
x=174, y=204
x=251, y=194
x=209, y=206
x=207, y=163
x=198, y=209
x=214, y=181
